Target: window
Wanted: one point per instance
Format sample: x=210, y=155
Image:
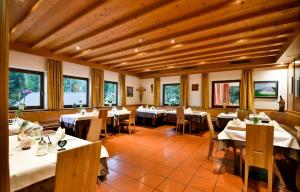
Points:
x=26, y=87
x=226, y=92
x=76, y=91
x=110, y=93
x=171, y=94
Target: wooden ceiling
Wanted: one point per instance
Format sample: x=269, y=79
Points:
x=150, y=38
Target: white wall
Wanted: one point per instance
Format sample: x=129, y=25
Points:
x=279, y=75
x=134, y=82
x=195, y=96
x=147, y=95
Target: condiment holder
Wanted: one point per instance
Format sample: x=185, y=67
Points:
x=42, y=148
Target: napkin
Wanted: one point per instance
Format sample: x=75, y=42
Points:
x=60, y=133
x=124, y=109
x=141, y=107
x=188, y=110
x=95, y=112
x=152, y=108
x=236, y=123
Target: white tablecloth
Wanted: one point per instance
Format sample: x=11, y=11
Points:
x=227, y=115
x=281, y=137
x=72, y=118
x=26, y=168
x=200, y=113
x=155, y=111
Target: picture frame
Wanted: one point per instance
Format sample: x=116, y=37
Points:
x=129, y=91
x=195, y=87
x=266, y=89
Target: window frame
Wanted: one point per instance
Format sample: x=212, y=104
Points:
x=168, y=84
x=42, y=90
x=87, y=90
x=213, y=93
x=117, y=92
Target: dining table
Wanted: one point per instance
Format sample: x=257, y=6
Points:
x=234, y=134
x=149, y=116
x=224, y=118
x=77, y=124
x=197, y=119
x=28, y=168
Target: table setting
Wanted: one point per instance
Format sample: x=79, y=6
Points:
x=33, y=159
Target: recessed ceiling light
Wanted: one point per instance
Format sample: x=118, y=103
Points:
x=147, y=70
x=172, y=41
x=241, y=40
x=141, y=40
x=170, y=67
x=124, y=63
x=202, y=62
x=136, y=50
x=141, y=54
x=177, y=46
x=242, y=57
x=77, y=48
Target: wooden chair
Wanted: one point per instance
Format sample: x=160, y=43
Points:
x=94, y=132
x=242, y=114
x=259, y=151
x=212, y=135
x=76, y=169
x=129, y=122
x=103, y=115
x=181, y=119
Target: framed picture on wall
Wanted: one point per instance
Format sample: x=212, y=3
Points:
x=129, y=91
x=265, y=89
x=195, y=87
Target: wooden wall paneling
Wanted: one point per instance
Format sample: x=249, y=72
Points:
x=4, y=46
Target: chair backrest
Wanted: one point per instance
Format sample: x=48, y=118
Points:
x=94, y=132
x=180, y=115
x=259, y=145
x=77, y=169
x=132, y=115
x=210, y=125
x=103, y=114
x=242, y=114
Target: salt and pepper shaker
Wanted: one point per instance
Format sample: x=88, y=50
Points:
x=42, y=147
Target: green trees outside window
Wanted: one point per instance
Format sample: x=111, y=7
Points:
x=26, y=88
x=76, y=91
x=110, y=93
x=171, y=94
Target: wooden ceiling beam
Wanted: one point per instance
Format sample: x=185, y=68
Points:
x=219, y=66
x=39, y=9
x=47, y=54
x=202, y=56
x=218, y=22
x=120, y=21
x=291, y=49
x=205, y=49
x=249, y=56
x=51, y=36
x=210, y=35
x=209, y=59
x=200, y=46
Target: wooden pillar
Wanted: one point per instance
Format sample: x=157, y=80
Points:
x=4, y=40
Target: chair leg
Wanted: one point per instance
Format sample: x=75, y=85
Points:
x=176, y=128
x=246, y=177
x=241, y=161
x=211, y=146
x=183, y=128
x=129, y=127
x=270, y=178
x=190, y=125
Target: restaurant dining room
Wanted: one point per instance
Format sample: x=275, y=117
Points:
x=149, y=95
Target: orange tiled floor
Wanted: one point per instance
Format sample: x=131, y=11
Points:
x=159, y=160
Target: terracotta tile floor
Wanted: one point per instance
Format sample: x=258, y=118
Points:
x=159, y=160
